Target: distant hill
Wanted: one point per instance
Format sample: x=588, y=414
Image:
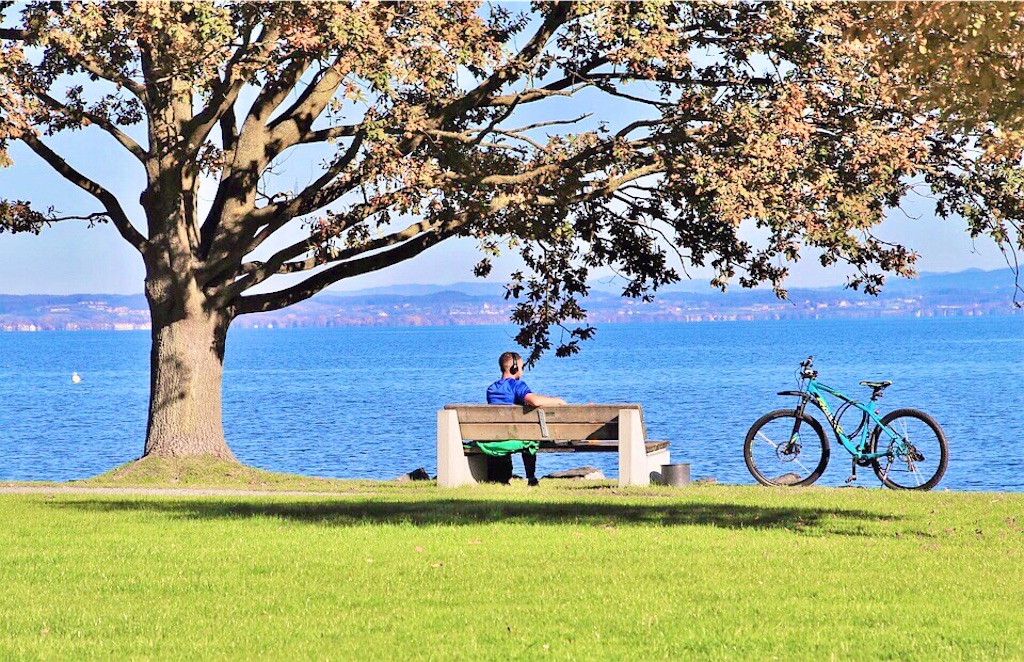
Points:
x=477, y=288
x=971, y=292
x=34, y=303
x=971, y=280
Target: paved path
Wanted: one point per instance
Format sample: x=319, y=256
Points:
x=159, y=491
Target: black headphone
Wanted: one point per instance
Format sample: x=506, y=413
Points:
x=515, y=365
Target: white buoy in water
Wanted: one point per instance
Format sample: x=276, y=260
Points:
x=75, y=378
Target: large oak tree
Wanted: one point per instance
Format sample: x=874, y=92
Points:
x=647, y=137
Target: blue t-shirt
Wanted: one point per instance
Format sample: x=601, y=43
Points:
x=508, y=391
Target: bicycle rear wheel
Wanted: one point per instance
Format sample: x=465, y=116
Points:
x=777, y=457
x=918, y=452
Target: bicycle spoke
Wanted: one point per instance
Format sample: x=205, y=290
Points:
x=913, y=469
x=767, y=440
x=908, y=448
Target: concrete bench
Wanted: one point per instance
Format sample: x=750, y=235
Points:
x=565, y=429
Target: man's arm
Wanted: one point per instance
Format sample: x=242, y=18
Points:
x=538, y=400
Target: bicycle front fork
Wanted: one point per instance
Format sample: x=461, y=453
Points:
x=798, y=419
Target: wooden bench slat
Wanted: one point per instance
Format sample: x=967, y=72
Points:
x=520, y=414
x=532, y=431
x=498, y=422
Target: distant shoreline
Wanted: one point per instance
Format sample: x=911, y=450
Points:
x=711, y=318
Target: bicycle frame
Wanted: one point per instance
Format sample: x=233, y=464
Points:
x=815, y=394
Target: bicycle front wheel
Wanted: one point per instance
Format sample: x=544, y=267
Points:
x=777, y=453
x=917, y=450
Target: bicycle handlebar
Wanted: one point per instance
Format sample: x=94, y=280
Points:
x=805, y=368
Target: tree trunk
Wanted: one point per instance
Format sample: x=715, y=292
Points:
x=187, y=366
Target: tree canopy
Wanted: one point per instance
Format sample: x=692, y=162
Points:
x=646, y=137
x=962, y=60
x=963, y=64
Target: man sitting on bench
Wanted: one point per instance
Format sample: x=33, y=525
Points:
x=512, y=390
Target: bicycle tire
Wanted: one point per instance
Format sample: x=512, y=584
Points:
x=758, y=458
x=921, y=444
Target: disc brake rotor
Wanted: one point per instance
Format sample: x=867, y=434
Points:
x=788, y=452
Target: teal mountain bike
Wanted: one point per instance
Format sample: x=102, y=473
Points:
x=906, y=448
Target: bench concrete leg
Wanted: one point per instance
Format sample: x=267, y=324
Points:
x=654, y=462
x=453, y=467
x=632, y=452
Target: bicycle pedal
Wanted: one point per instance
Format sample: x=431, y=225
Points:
x=852, y=478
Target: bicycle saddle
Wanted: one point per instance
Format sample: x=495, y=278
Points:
x=877, y=385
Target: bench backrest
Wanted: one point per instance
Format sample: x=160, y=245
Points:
x=569, y=423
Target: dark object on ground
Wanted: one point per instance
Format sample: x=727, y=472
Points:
x=788, y=479
x=580, y=473
x=705, y=481
x=675, y=475
x=415, y=474
x=533, y=482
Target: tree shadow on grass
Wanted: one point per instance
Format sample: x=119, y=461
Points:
x=464, y=512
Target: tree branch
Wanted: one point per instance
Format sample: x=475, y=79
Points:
x=510, y=73
x=529, y=96
x=226, y=92
x=567, y=86
x=228, y=133
x=275, y=92
x=14, y=34
x=317, y=282
x=273, y=217
x=87, y=62
x=612, y=91
x=126, y=141
x=98, y=68
x=318, y=194
x=105, y=197
x=295, y=122
x=256, y=272
x=539, y=125
x=701, y=82
x=335, y=132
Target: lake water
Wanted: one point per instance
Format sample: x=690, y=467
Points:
x=361, y=402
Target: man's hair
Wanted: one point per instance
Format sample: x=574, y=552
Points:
x=506, y=359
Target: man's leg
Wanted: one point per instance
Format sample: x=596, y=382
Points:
x=530, y=465
x=499, y=468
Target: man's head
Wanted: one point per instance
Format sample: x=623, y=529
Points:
x=511, y=364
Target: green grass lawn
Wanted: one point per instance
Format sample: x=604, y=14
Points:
x=574, y=571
